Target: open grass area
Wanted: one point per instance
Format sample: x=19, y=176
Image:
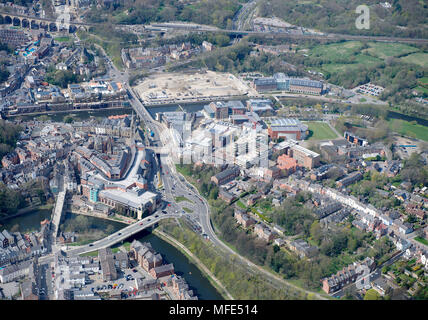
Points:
x=320, y=131
x=62, y=39
x=383, y=50
x=241, y=205
x=351, y=55
x=187, y=210
x=344, y=56
x=90, y=254
x=181, y=199
x=409, y=129
x=422, y=240
x=420, y=58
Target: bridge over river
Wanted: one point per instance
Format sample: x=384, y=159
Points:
x=122, y=234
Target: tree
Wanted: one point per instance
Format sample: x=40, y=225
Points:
x=316, y=232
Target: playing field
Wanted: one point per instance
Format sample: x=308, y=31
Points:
x=320, y=131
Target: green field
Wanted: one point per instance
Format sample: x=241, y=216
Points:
x=337, y=51
x=422, y=240
x=181, y=198
x=383, y=50
x=62, y=39
x=187, y=210
x=420, y=58
x=407, y=128
x=241, y=205
x=320, y=131
x=351, y=55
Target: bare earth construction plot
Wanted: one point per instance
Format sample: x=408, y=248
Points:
x=168, y=88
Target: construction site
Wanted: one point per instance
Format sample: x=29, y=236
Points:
x=168, y=88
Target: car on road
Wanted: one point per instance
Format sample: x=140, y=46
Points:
x=134, y=270
x=91, y=245
x=119, y=234
x=141, y=223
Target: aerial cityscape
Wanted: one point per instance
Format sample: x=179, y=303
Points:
x=213, y=150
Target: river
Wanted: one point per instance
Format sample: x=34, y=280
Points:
x=27, y=222
x=183, y=267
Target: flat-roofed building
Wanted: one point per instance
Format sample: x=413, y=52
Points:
x=287, y=128
x=134, y=202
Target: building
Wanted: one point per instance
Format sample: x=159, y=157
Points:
x=14, y=271
x=227, y=196
x=303, y=249
x=162, y=271
x=349, y=179
x=243, y=219
x=226, y=175
x=146, y=257
x=134, y=202
x=262, y=107
x=286, y=164
x=281, y=82
x=287, y=128
x=352, y=138
x=110, y=263
x=348, y=274
x=263, y=232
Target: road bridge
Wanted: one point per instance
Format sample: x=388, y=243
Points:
x=122, y=234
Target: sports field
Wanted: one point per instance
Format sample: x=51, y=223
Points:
x=320, y=131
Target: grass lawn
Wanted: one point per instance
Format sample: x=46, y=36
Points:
x=181, y=198
x=337, y=53
x=241, y=205
x=420, y=58
x=90, y=254
x=62, y=39
x=405, y=128
x=421, y=89
x=320, y=131
x=187, y=210
x=127, y=245
x=422, y=240
x=384, y=50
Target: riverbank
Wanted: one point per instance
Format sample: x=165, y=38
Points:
x=207, y=273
